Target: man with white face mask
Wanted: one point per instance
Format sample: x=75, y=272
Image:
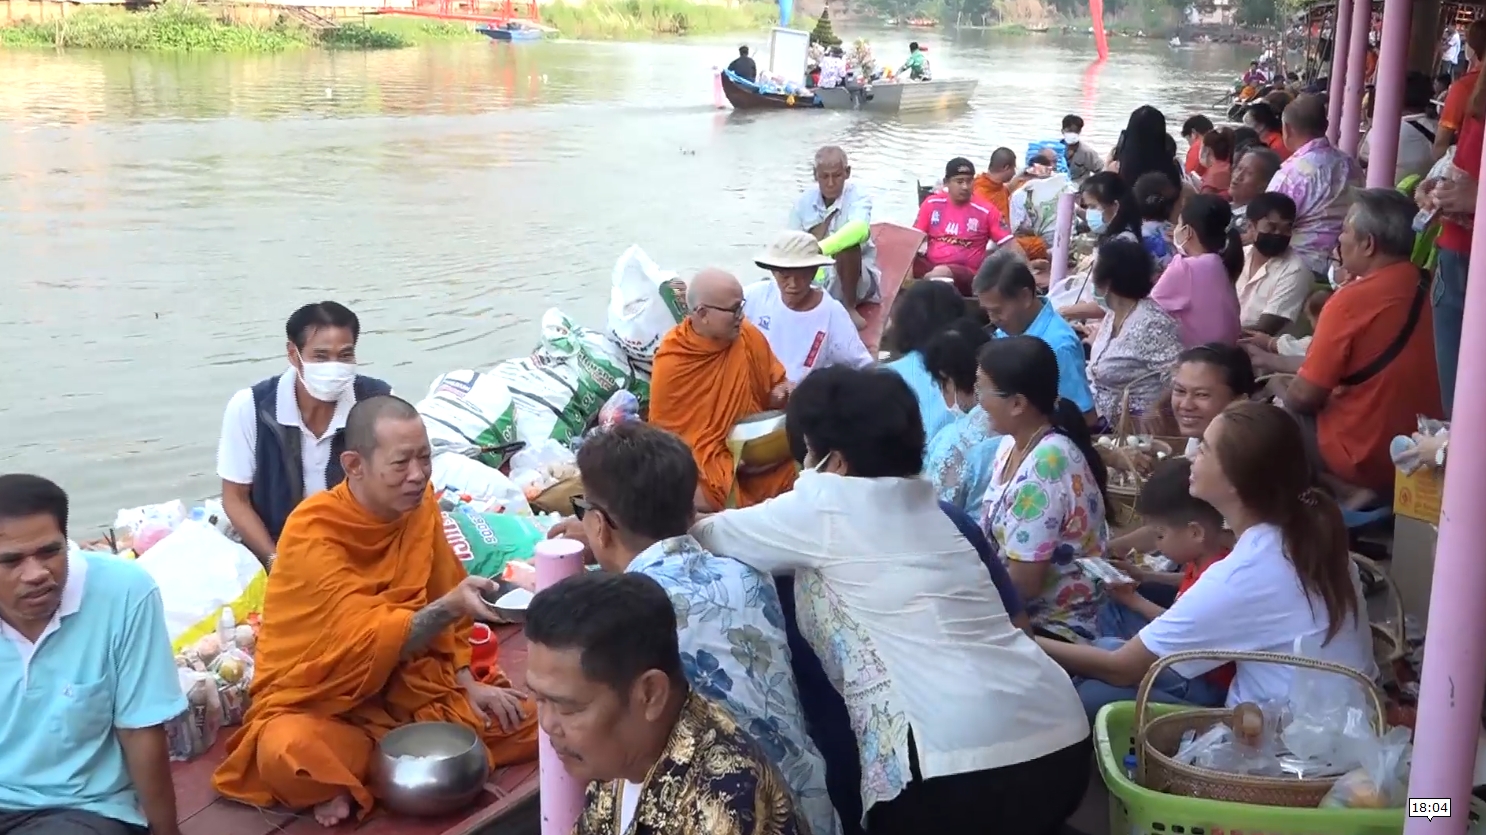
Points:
x=281, y=438
x=1082, y=160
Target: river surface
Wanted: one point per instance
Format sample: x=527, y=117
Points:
x=161, y=215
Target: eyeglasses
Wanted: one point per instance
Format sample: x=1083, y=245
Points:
x=736, y=311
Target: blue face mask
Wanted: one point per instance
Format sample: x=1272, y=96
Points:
x=1095, y=219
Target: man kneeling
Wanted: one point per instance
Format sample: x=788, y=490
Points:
x=605, y=668
x=366, y=624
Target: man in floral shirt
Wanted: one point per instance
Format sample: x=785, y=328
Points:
x=639, y=482
x=1318, y=177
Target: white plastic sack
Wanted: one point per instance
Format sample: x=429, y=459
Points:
x=199, y=571
x=467, y=413
x=1073, y=289
x=483, y=484
x=642, y=307
x=1034, y=206
x=563, y=384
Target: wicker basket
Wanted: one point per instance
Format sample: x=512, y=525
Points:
x=1389, y=645
x=1156, y=740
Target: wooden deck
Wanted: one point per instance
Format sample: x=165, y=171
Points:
x=203, y=812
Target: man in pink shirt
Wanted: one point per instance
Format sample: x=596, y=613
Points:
x=960, y=229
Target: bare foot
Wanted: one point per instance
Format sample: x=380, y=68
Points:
x=333, y=811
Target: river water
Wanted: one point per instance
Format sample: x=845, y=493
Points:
x=161, y=215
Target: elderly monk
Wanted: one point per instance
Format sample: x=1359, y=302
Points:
x=712, y=370
x=1001, y=178
x=366, y=627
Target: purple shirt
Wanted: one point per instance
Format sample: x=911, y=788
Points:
x=1317, y=177
x=1198, y=294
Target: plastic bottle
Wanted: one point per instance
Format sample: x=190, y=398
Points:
x=226, y=627
x=1131, y=766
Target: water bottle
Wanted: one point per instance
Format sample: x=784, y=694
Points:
x=1132, y=766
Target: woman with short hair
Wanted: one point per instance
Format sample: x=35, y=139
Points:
x=923, y=310
x=959, y=455
x=959, y=717
x=1131, y=359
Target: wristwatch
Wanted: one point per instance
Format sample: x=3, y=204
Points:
x=1439, y=455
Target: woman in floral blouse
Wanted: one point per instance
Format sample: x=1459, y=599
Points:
x=1138, y=342
x=1045, y=504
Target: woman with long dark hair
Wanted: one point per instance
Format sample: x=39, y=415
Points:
x=923, y=310
x=1044, y=506
x=1145, y=146
x=1197, y=286
x=1288, y=585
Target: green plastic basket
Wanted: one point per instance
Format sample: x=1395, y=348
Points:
x=1134, y=810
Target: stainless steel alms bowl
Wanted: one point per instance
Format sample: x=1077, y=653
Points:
x=429, y=768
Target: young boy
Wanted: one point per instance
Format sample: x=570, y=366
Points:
x=1190, y=533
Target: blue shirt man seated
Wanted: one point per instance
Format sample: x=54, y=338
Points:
x=1007, y=292
x=282, y=437
x=87, y=680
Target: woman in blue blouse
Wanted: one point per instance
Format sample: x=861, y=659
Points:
x=958, y=459
x=923, y=310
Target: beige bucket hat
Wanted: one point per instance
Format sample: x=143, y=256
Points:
x=794, y=251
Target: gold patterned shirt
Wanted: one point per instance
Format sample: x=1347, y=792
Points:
x=712, y=779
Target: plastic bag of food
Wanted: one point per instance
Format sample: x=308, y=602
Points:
x=1381, y=782
x=621, y=407
x=1330, y=715
x=233, y=674
x=542, y=465
x=478, y=483
x=194, y=731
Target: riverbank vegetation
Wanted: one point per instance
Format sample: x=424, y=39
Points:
x=1007, y=15
x=631, y=19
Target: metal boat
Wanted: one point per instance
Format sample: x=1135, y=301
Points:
x=901, y=97
x=511, y=32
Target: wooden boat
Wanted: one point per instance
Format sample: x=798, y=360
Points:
x=896, y=246
x=922, y=23
x=900, y=97
x=745, y=96
x=510, y=32
x=202, y=811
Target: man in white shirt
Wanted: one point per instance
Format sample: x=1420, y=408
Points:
x=1275, y=282
x=281, y=438
x=838, y=213
x=806, y=327
x=1451, y=59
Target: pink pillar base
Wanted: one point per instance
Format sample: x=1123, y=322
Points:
x=1349, y=133
x=1341, y=33
x=561, y=795
x=1062, y=237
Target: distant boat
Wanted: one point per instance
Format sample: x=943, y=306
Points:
x=1037, y=30
x=513, y=31
x=922, y=22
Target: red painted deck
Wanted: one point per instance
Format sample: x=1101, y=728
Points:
x=896, y=246
x=203, y=812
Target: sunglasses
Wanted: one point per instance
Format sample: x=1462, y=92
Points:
x=582, y=506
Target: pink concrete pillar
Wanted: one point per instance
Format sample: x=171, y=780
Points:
x=717, y=97
x=1455, y=651
x=1349, y=135
x=561, y=796
x=1063, y=237
x=1393, y=63
x=1341, y=33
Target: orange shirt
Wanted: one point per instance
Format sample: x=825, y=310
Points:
x=1356, y=424
x=1217, y=179
x=1276, y=143
x=1452, y=115
x=1194, y=158
x=1222, y=676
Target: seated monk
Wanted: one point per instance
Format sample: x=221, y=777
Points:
x=995, y=187
x=712, y=370
x=838, y=212
x=366, y=627
x=959, y=229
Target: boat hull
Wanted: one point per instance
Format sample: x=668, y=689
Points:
x=742, y=97
x=905, y=97
x=509, y=35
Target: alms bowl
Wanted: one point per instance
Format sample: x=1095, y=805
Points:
x=429, y=768
x=762, y=439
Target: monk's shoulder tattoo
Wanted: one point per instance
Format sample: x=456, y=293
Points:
x=427, y=623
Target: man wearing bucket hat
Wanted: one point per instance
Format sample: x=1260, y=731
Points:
x=838, y=213
x=960, y=229
x=806, y=327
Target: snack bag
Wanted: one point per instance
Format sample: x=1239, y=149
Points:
x=194, y=731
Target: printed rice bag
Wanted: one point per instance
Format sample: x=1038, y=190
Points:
x=562, y=385
x=485, y=542
x=469, y=413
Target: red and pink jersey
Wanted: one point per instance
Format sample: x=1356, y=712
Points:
x=960, y=234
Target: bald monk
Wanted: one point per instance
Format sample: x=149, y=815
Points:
x=711, y=370
x=1000, y=179
x=366, y=625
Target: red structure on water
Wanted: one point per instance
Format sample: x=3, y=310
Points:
x=473, y=11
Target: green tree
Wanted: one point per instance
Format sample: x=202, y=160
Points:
x=822, y=34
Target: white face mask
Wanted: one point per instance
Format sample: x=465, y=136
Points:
x=327, y=381
x=1071, y=138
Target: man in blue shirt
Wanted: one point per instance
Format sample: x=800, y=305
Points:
x=1007, y=292
x=87, y=680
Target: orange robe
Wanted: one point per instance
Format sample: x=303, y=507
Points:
x=329, y=681
x=699, y=390
x=998, y=195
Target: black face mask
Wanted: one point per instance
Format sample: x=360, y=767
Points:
x=1270, y=244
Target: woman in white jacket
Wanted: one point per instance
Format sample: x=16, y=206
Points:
x=961, y=721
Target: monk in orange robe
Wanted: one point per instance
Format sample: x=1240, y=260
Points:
x=366, y=626
x=995, y=186
x=710, y=371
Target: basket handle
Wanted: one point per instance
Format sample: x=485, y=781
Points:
x=1394, y=629
x=1122, y=428
x=1143, y=693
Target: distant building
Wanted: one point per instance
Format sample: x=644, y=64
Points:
x=1211, y=13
